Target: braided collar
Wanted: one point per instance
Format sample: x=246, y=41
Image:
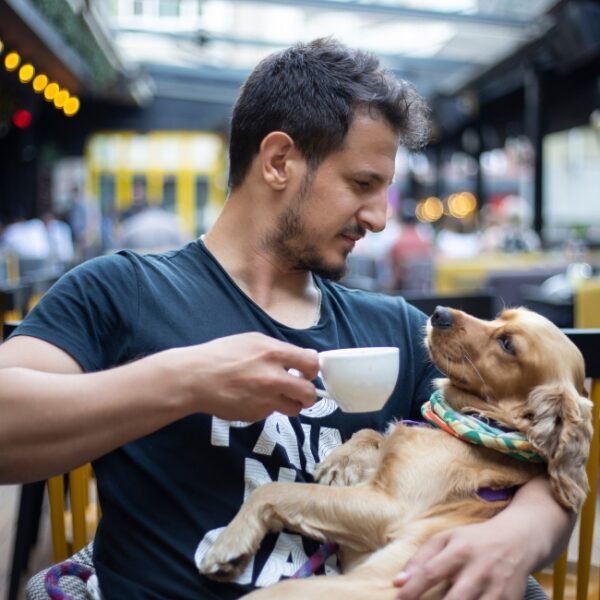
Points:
x=477, y=430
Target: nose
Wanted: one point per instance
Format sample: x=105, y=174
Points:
x=373, y=214
x=441, y=318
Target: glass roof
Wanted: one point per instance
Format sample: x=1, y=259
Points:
x=437, y=44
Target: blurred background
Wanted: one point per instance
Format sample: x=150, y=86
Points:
x=114, y=120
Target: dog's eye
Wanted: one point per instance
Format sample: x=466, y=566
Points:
x=506, y=344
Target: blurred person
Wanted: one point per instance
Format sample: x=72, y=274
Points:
x=151, y=228
x=84, y=220
x=492, y=231
x=28, y=239
x=139, y=201
x=413, y=245
x=508, y=227
x=172, y=373
x=60, y=239
x=457, y=238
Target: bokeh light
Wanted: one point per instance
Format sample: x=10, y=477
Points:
x=51, y=90
x=429, y=210
x=461, y=204
x=71, y=106
x=11, y=61
x=22, y=118
x=61, y=98
x=39, y=83
x=26, y=73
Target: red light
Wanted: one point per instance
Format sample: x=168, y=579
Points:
x=22, y=118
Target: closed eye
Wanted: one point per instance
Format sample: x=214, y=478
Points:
x=506, y=344
x=362, y=184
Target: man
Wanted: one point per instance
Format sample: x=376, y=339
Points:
x=170, y=372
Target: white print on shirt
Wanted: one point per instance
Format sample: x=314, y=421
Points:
x=288, y=554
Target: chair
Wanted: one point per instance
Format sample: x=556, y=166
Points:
x=587, y=301
x=575, y=578
x=73, y=516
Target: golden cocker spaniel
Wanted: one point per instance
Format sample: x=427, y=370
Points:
x=518, y=378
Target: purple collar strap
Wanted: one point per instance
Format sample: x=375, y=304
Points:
x=314, y=563
x=491, y=495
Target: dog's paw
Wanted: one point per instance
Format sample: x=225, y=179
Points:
x=343, y=471
x=353, y=463
x=223, y=564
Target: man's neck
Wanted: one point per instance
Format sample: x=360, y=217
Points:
x=289, y=296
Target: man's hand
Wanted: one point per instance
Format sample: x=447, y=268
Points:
x=245, y=377
x=492, y=559
x=477, y=561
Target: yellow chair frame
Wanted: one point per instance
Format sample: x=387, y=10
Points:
x=563, y=584
x=73, y=519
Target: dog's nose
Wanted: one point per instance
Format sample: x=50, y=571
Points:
x=441, y=318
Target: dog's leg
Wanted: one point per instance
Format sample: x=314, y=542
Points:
x=353, y=462
x=352, y=517
x=372, y=580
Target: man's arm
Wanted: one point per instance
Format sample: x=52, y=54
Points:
x=494, y=558
x=54, y=417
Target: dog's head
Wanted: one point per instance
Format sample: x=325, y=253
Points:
x=520, y=370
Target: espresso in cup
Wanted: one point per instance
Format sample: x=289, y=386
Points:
x=360, y=379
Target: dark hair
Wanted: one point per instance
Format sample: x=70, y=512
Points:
x=311, y=92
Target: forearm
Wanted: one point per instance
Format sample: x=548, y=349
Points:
x=537, y=516
x=53, y=422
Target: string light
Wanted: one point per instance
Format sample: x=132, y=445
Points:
x=60, y=97
x=51, y=90
x=39, y=83
x=26, y=73
x=11, y=61
x=71, y=106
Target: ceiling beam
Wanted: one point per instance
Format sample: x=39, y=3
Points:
x=396, y=61
x=402, y=12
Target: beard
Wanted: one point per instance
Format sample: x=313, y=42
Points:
x=291, y=240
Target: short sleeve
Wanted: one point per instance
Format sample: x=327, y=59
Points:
x=90, y=312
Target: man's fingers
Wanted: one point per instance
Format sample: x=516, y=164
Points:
x=298, y=389
x=466, y=587
x=437, y=565
x=289, y=407
x=425, y=553
x=302, y=360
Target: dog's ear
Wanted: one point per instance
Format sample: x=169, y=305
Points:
x=561, y=431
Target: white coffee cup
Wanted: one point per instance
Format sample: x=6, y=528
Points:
x=360, y=379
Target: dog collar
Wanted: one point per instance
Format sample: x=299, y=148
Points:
x=477, y=430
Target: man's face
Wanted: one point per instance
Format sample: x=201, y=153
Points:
x=339, y=201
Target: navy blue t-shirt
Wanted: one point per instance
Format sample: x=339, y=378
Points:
x=165, y=496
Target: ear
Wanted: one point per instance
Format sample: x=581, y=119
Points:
x=276, y=151
x=561, y=431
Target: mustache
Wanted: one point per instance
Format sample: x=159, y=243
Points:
x=354, y=231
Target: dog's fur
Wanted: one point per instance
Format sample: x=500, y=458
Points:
x=388, y=494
